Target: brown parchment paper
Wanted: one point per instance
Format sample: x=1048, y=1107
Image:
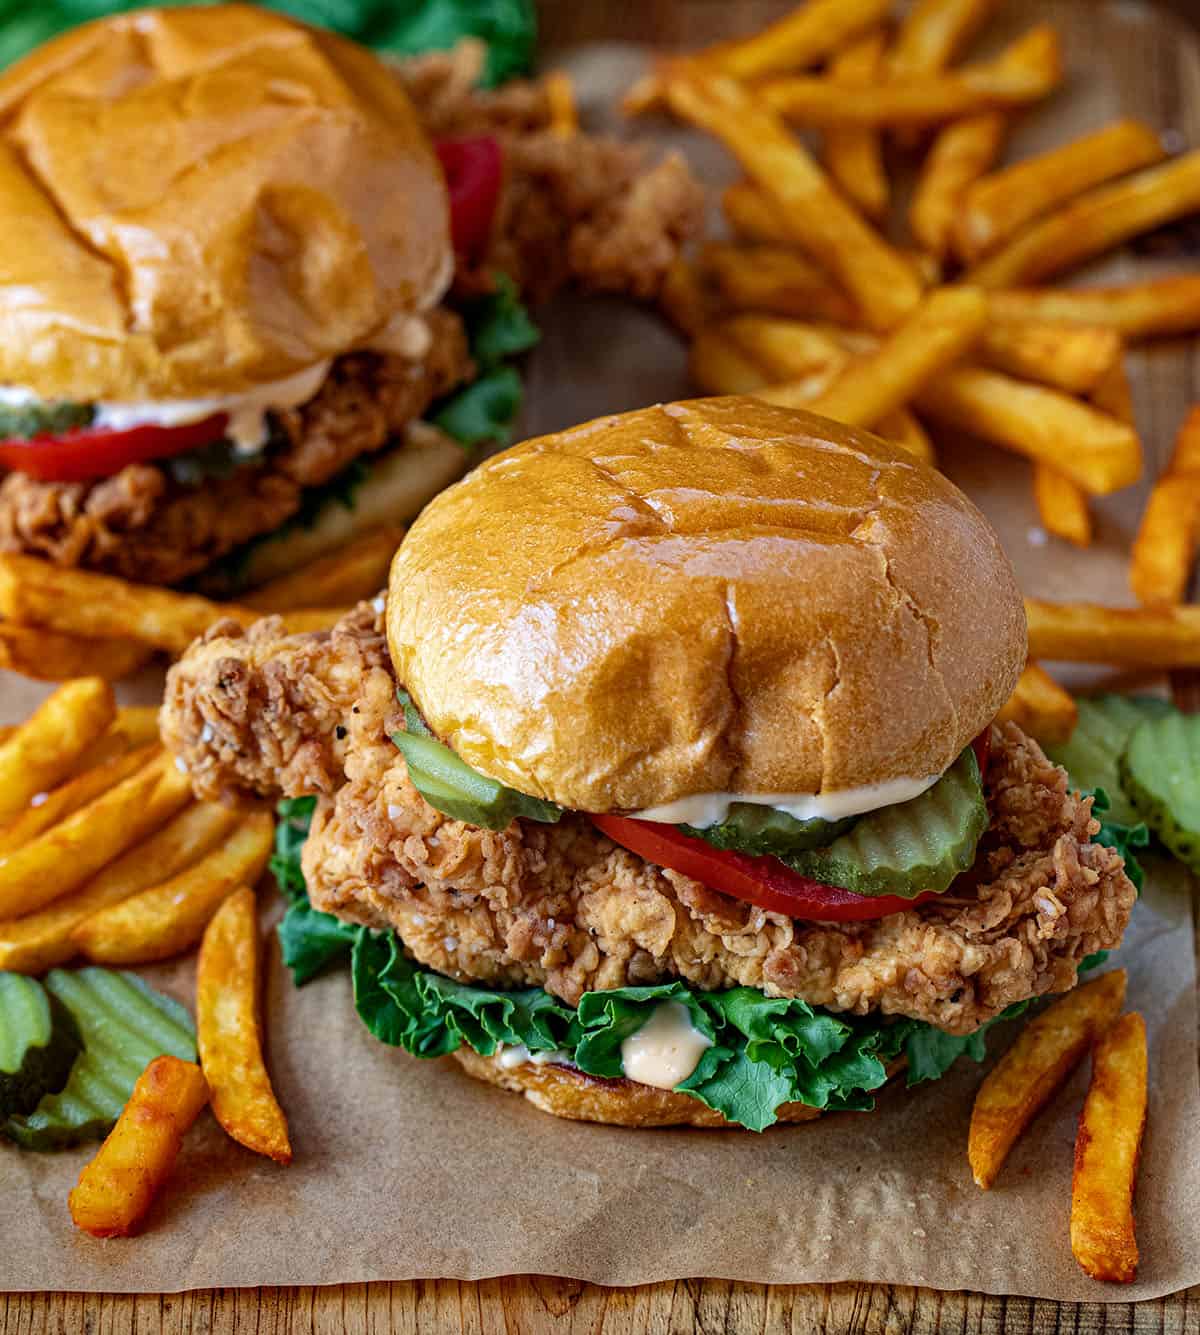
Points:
x=406, y=1169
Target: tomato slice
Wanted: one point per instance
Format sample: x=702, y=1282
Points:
x=763, y=881
x=86, y=453
x=474, y=170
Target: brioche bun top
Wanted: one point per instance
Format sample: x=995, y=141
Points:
x=709, y=596
x=200, y=200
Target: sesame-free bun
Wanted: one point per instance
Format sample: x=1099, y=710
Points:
x=197, y=200
x=704, y=597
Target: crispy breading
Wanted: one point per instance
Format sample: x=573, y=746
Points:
x=563, y=907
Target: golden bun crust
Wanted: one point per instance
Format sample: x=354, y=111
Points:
x=566, y=1092
x=710, y=596
x=198, y=200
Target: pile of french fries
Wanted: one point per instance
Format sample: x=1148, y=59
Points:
x=105, y=854
x=60, y=623
x=812, y=303
x=1108, y=1142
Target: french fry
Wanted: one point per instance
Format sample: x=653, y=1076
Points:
x=1151, y=309
x=785, y=349
x=560, y=98
x=228, y=1032
x=78, y=602
x=1096, y=451
x=1095, y=222
x=43, y=751
x=937, y=333
x=932, y=35
x=1029, y=70
x=42, y=940
x=169, y=918
x=1044, y=1054
x=68, y=854
x=996, y=207
x=1040, y=707
x=1185, y=456
x=70, y=796
x=683, y=297
x=1114, y=394
x=1073, y=358
x=902, y=428
x=117, y=1187
x=353, y=572
x=1108, y=1147
x=1149, y=637
x=878, y=279
x=854, y=157
x=960, y=154
x=774, y=278
x=47, y=655
x=137, y=724
x=1062, y=505
x=717, y=365
x=1164, y=550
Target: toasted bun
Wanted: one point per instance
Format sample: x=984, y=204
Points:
x=567, y=1092
x=198, y=200
x=712, y=596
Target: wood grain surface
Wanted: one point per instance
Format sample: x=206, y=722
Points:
x=1160, y=63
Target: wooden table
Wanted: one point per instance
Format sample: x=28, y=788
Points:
x=532, y=1304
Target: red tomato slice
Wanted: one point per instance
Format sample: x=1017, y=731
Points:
x=763, y=881
x=77, y=456
x=474, y=170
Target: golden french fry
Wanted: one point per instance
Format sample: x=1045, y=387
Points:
x=1073, y=358
x=878, y=279
x=998, y=206
x=933, y=33
x=560, y=99
x=41, y=940
x=1062, y=505
x=137, y=724
x=1095, y=222
x=960, y=154
x=774, y=278
x=1114, y=395
x=1096, y=451
x=1108, y=1147
x=45, y=748
x=854, y=157
x=1027, y=72
x=785, y=349
x=68, y=854
x=47, y=655
x=228, y=1032
x=935, y=335
x=1164, y=550
x=1185, y=457
x=79, y=602
x=1152, y=637
x=70, y=796
x=353, y=572
x=1040, y=707
x=1045, y=1053
x=169, y=918
x=902, y=428
x=116, y=1188
x=683, y=297
x=717, y=365
x=1149, y=309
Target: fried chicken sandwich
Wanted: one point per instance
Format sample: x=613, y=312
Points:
x=664, y=784
x=230, y=279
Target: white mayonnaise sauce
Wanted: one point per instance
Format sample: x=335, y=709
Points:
x=510, y=1055
x=705, y=809
x=247, y=412
x=666, y=1049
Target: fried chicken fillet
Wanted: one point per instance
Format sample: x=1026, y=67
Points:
x=562, y=907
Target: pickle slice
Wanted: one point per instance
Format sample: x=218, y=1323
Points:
x=124, y=1025
x=910, y=847
x=1160, y=770
x=1091, y=757
x=39, y=1042
x=755, y=830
